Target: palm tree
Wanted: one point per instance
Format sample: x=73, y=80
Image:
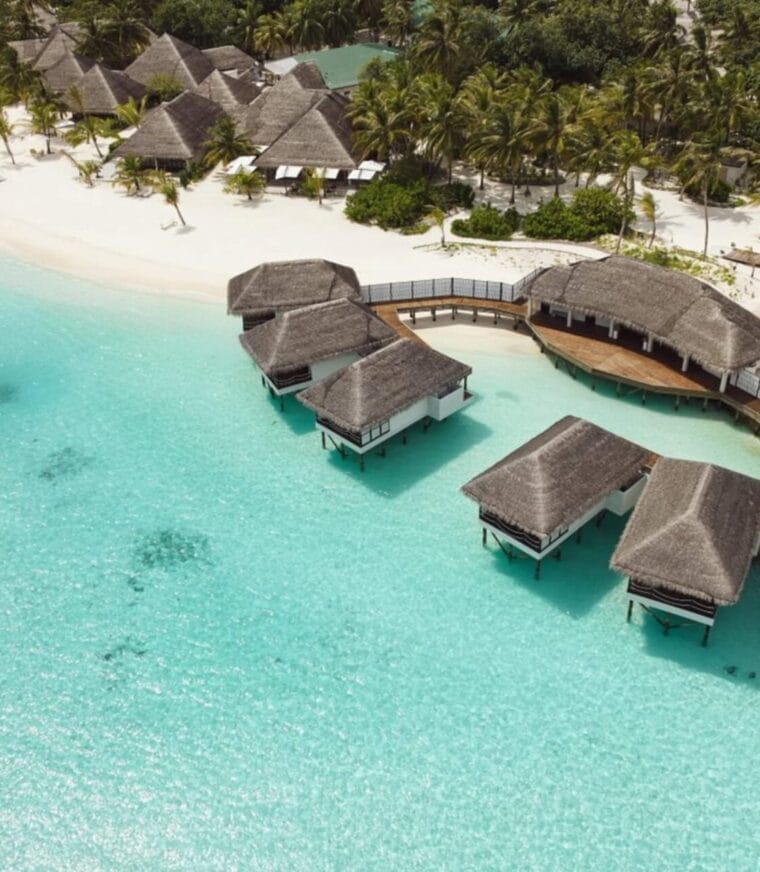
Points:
x=271, y=33
x=669, y=85
x=246, y=22
x=166, y=186
x=87, y=169
x=662, y=33
x=397, y=15
x=438, y=44
x=698, y=166
x=6, y=131
x=224, y=143
x=124, y=31
x=306, y=28
x=443, y=121
x=245, y=184
x=649, y=210
x=379, y=129
x=549, y=130
x=44, y=115
x=500, y=143
x=130, y=174
x=478, y=94
x=132, y=113
x=337, y=19
x=438, y=217
x=313, y=184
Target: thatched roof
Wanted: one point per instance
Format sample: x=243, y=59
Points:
x=171, y=56
x=227, y=92
x=557, y=476
x=278, y=108
x=27, y=49
x=58, y=44
x=320, y=138
x=694, y=531
x=305, y=75
x=101, y=90
x=375, y=388
x=275, y=287
x=306, y=335
x=229, y=58
x=67, y=72
x=739, y=255
x=175, y=131
x=679, y=310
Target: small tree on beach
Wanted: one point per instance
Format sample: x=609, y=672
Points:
x=224, y=143
x=44, y=115
x=245, y=184
x=132, y=112
x=313, y=184
x=6, y=131
x=130, y=174
x=438, y=217
x=698, y=166
x=649, y=210
x=87, y=169
x=165, y=185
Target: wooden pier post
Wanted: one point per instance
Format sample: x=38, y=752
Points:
x=706, y=636
x=324, y=445
x=630, y=609
x=537, y=570
x=484, y=539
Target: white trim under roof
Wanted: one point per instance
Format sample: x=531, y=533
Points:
x=281, y=67
x=287, y=172
x=244, y=162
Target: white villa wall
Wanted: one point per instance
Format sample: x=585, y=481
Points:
x=319, y=370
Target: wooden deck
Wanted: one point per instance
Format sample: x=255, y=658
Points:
x=589, y=350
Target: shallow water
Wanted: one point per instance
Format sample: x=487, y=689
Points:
x=225, y=648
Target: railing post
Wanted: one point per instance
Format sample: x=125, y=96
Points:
x=451, y=286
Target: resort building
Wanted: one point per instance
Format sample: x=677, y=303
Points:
x=689, y=543
x=101, y=90
x=67, y=72
x=228, y=92
x=657, y=310
x=269, y=289
x=340, y=67
x=173, y=134
x=368, y=402
x=170, y=56
x=539, y=495
x=274, y=111
x=303, y=346
x=320, y=139
x=233, y=61
x=61, y=41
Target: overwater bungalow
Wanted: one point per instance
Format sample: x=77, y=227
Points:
x=101, y=90
x=233, y=61
x=173, y=134
x=301, y=347
x=536, y=497
x=688, y=545
x=170, y=56
x=67, y=72
x=274, y=111
x=269, y=289
x=385, y=393
x=319, y=139
x=635, y=302
x=228, y=92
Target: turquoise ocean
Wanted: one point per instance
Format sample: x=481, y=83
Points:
x=225, y=648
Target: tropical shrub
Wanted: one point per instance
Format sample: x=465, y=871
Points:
x=388, y=204
x=592, y=212
x=163, y=87
x=487, y=222
x=455, y=195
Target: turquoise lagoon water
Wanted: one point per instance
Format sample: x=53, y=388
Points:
x=223, y=648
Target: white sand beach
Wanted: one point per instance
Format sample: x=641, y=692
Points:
x=51, y=218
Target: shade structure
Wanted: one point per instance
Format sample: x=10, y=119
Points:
x=287, y=172
x=244, y=162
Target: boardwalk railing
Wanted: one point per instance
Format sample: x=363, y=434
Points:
x=748, y=382
x=431, y=289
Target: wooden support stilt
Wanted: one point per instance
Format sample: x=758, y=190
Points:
x=382, y=452
x=537, y=570
x=484, y=539
x=403, y=438
x=414, y=316
x=474, y=315
x=574, y=372
x=617, y=389
x=593, y=384
x=510, y=555
x=453, y=313
x=263, y=382
x=643, y=398
x=600, y=518
x=706, y=635
x=432, y=311
x=282, y=403
x=324, y=445
x=578, y=537
x=558, y=554
x=676, y=402
x=704, y=404
x=630, y=609
x=361, y=462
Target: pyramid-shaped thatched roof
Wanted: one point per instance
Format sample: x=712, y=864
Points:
x=227, y=92
x=101, y=90
x=303, y=336
x=557, y=476
x=58, y=44
x=320, y=138
x=174, y=131
x=229, y=58
x=375, y=388
x=27, y=50
x=694, y=531
x=274, y=287
x=66, y=72
x=679, y=310
x=173, y=57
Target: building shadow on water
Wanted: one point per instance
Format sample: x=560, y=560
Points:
x=404, y=465
x=579, y=580
x=733, y=652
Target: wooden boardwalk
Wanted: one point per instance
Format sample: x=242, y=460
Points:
x=589, y=350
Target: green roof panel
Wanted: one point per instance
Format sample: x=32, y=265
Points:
x=340, y=67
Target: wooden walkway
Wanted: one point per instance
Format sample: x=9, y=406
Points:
x=590, y=351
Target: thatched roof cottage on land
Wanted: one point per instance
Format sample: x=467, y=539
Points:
x=101, y=90
x=658, y=306
x=232, y=60
x=173, y=134
x=271, y=288
x=305, y=345
x=688, y=545
x=226, y=91
x=171, y=57
x=68, y=71
x=539, y=495
x=61, y=41
x=387, y=392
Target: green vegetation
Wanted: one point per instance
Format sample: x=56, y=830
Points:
x=487, y=222
x=245, y=183
x=592, y=212
x=163, y=87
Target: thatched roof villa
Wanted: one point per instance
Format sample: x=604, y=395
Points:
x=27, y=49
x=320, y=138
x=61, y=41
x=231, y=60
x=539, y=495
x=228, y=92
x=387, y=392
x=173, y=134
x=688, y=545
x=172, y=57
x=101, y=90
x=658, y=305
x=268, y=289
x=305, y=345
x=276, y=110
x=66, y=72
